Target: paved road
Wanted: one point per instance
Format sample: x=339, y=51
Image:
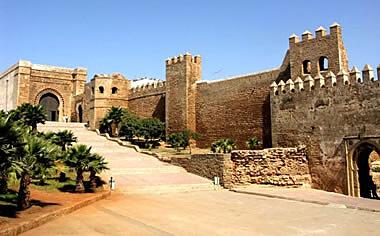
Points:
x=210, y=213
x=134, y=210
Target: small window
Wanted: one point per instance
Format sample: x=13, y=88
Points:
x=323, y=64
x=114, y=90
x=306, y=66
x=101, y=89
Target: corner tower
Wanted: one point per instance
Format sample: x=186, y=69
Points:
x=182, y=72
x=311, y=56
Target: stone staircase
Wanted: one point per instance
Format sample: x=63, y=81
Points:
x=134, y=172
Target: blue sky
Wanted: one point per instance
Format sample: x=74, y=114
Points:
x=135, y=37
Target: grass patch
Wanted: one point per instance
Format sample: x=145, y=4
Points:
x=9, y=197
x=52, y=185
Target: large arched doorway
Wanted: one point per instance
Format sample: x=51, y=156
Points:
x=367, y=174
x=51, y=104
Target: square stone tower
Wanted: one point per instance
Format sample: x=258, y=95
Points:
x=182, y=72
x=313, y=56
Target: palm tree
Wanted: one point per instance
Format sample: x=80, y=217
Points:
x=116, y=115
x=35, y=155
x=79, y=158
x=97, y=165
x=30, y=114
x=253, y=143
x=223, y=145
x=64, y=139
x=9, y=142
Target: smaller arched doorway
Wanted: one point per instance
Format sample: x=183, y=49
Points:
x=366, y=161
x=80, y=114
x=51, y=104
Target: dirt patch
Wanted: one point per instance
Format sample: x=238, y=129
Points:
x=46, y=206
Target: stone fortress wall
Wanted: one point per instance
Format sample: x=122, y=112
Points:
x=321, y=112
x=312, y=99
x=148, y=99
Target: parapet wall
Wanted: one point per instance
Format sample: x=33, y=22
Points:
x=274, y=166
x=319, y=112
x=148, y=100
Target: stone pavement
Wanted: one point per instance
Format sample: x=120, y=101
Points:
x=210, y=213
x=311, y=196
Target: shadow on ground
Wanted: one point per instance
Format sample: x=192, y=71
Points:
x=8, y=204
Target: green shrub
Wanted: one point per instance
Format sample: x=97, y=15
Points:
x=223, y=146
x=253, y=143
x=376, y=169
x=182, y=139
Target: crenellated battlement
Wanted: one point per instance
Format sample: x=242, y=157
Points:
x=335, y=30
x=147, y=89
x=183, y=58
x=330, y=80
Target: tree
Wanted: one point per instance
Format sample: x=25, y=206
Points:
x=97, y=164
x=182, y=139
x=115, y=114
x=64, y=139
x=10, y=140
x=152, y=128
x=130, y=127
x=223, y=146
x=30, y=115
x=35, y=155
x=253, y=143
x=79, y=158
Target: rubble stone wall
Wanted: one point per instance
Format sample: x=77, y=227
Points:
x=274, y=166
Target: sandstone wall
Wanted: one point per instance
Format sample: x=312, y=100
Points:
x=148, y=101
x=208, y=166
x=100, y=96
x=312, y=49
x=181, y=74
x=320, y=112
x=275, y=166
x=235, y=108
x=9, y=86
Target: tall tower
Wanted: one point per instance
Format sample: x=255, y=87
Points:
x=311, y=56
x=182, y=72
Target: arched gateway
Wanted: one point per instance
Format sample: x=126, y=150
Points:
x=51, y=104
x=363, y=178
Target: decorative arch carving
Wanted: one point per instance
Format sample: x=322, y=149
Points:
x=57, y=94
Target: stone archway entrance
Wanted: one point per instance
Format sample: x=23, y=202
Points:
x=363, y=166
x=367, y=185
x=51, y=104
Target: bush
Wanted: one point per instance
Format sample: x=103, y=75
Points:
x=376, y=169
x=253, y=143
x=182, y=139
x=223, y=146
x=152, y=128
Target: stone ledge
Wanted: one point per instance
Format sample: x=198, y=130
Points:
x=117, y=140
x=23, y=227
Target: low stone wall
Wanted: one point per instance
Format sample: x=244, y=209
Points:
x=275, y=166
x=208, y=166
